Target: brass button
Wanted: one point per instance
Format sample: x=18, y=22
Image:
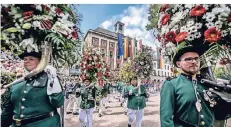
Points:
x=27, y=84
x=202, y=116
x=202, y=123
x=24, y=91
x=21, y=115
x=22, y=107
x=23, y=99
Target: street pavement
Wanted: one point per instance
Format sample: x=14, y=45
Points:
x=114, y=115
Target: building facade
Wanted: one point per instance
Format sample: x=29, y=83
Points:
x=107, y=42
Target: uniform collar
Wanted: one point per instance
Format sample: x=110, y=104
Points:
x=189, y=77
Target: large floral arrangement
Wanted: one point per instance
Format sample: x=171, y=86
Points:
x=93, y=67
x=207, y=25
x=27, y=26
x=115, y=75
x=142, y=63
x=126, y=71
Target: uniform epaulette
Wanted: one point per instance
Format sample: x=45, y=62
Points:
x=170, y=78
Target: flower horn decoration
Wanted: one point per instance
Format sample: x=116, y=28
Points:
x=126, y=71
x=206, y=25
x=142, y=64
x=93, y=67
x=27, y=26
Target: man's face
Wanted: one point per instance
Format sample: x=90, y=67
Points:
x=86, y=82
x=134, y=82
x=189, y=63
x=30, y=62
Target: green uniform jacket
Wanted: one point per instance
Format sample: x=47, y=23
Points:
x=177, y=104
x=27, y=101
x=88, y=96
x=136, y=100
x=120, y=86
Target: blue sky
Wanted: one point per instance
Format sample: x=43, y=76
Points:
x=134, y=16
x=95, y=14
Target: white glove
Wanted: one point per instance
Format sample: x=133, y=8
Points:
x=54, y=85
x=130, y=92
x=51, y=70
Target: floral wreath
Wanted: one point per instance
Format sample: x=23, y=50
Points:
x=207, y=25
x=27, y=26
x=126, y=72
x=142, y=63
x=93, y=67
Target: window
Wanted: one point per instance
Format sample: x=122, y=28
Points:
x=120, y=27
x=111, y=45
x=117, y=65
x=103, y=43
x=154, y=65
x=103, y=52
x=95, y=41
x=111, y=54
x=111, y=65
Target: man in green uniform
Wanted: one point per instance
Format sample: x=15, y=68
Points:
x=183, y=102
x=136, y=102
x=34, y=102
x=88, y=93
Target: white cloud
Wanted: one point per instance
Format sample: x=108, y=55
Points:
x=106, y=24
x=135, y=19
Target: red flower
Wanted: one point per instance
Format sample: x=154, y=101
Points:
x=98, y=74
x=98, y=65
x=198, y=11
x=74, y=35
x=46, y=24
x=229, y=17
x=170, y=36
x=212, y=35
x=27, y=15
x=89, y=67
x=224, y=61
x=163, y=8
x=46, y=8
x=224, y=46
x=58, y=11
x=158, y=37
x=165, y=19
x=181, y=36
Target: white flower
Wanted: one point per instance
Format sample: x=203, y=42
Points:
x=206, y=6
x=219, y=10
x=193, y=29
x=229, y=24
x=224, y=33
x=190, y=37
x=210, y=24
x=223, y=17
x=198, y=25
x=197, y=35
x=37, y=24
x=177, y=16
x=210, y=17
x=190, y=23
x=28, y=44
x=38, y=7
x=12, y=36
x=164, y=29
x=183, y=29
x=218, y=24
x=189, y=6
